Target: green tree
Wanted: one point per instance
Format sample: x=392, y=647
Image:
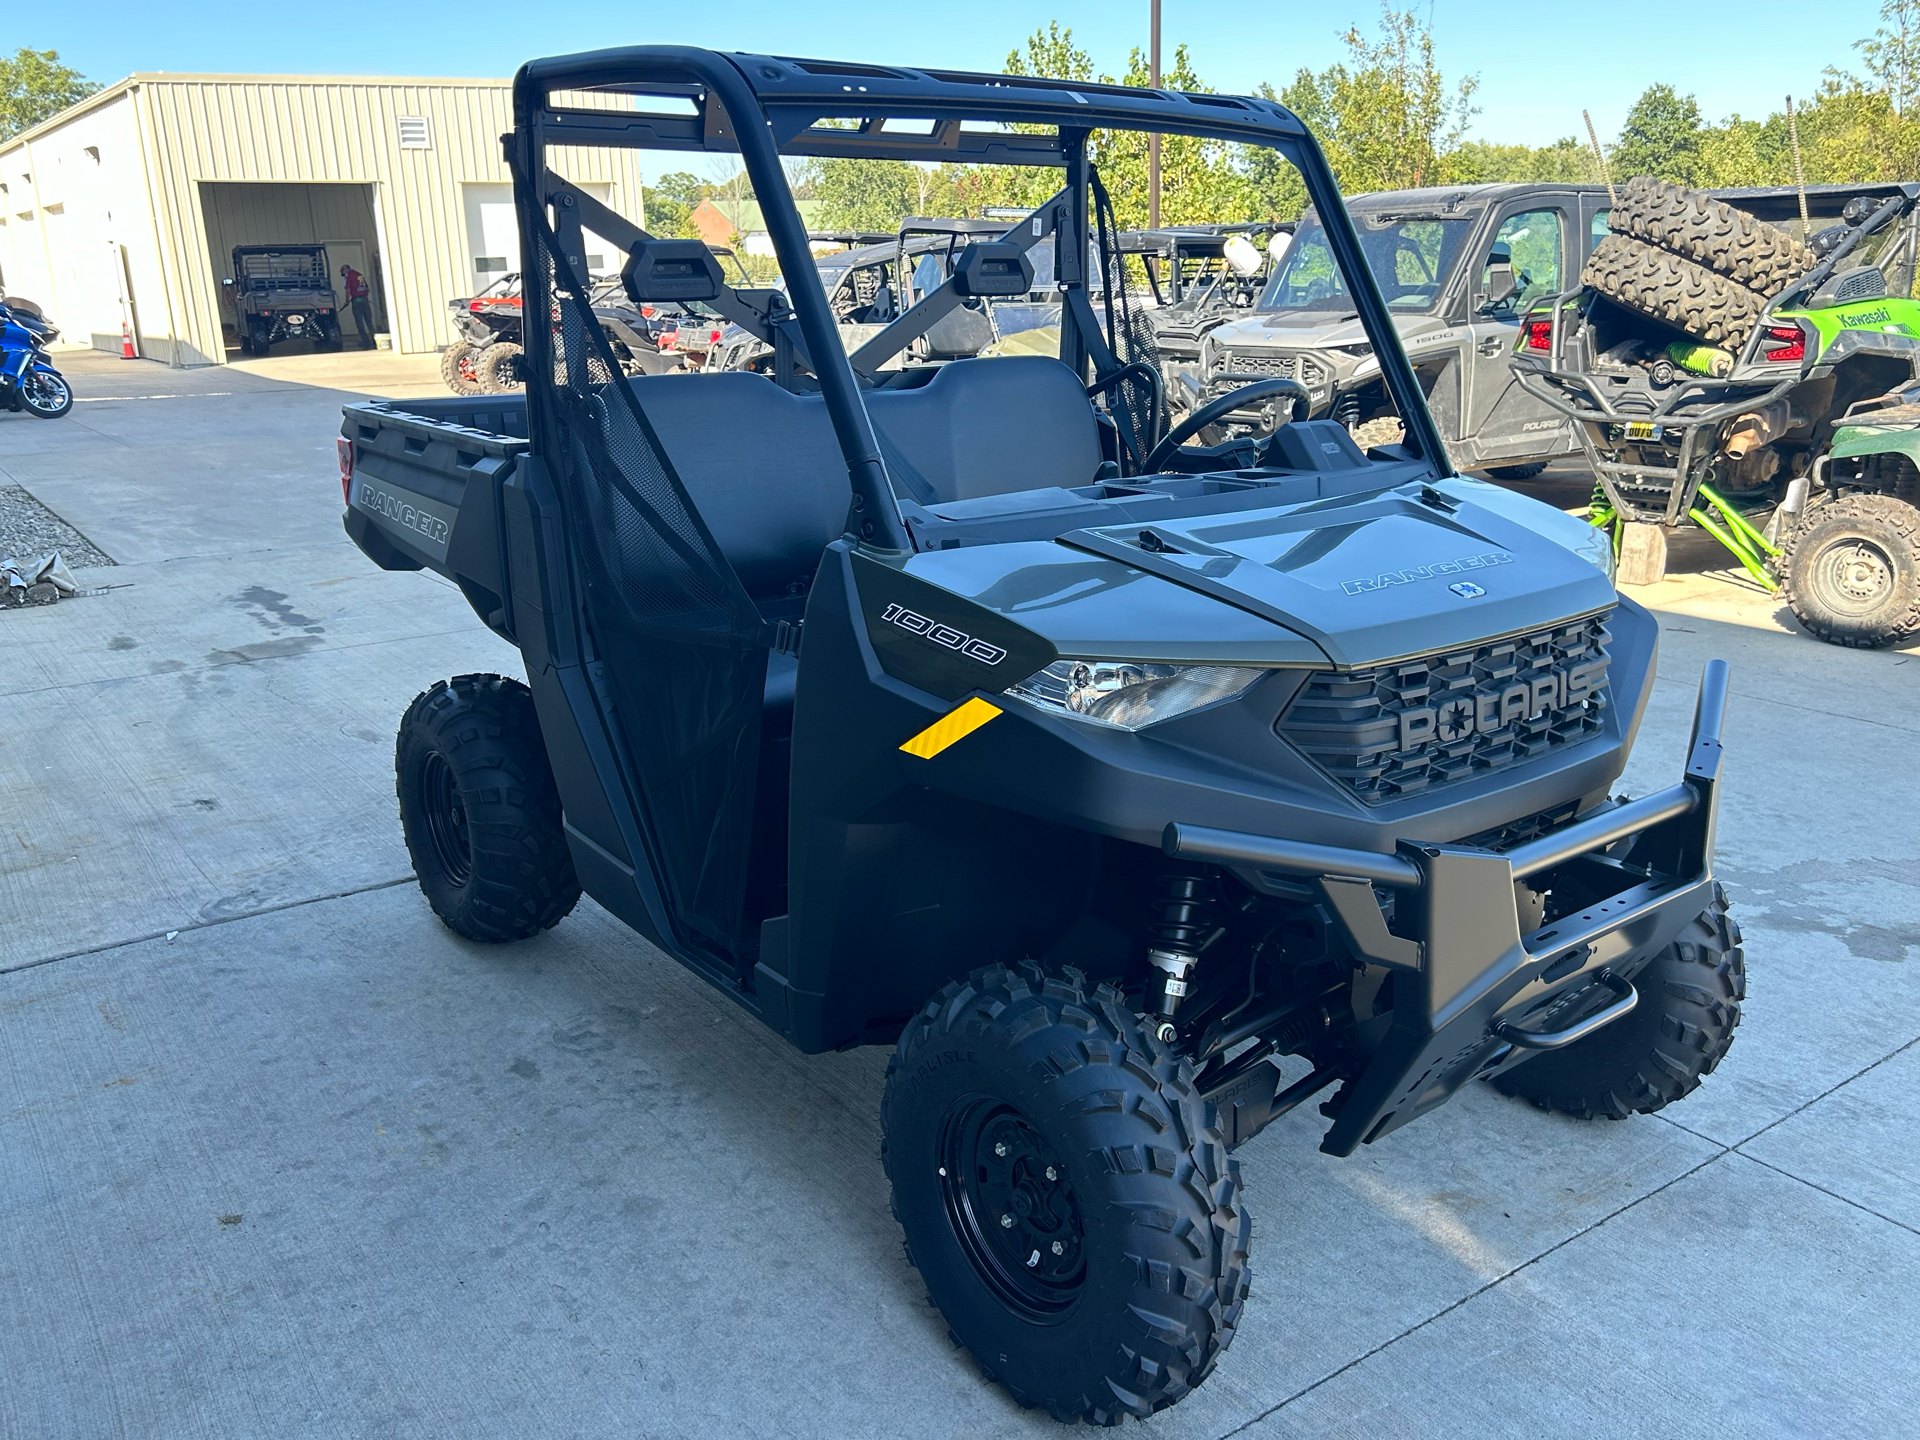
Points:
x=1661, y=137
x=35, y=86
x=1477, y=161
x=865, y=194
x=1892, y=56
x=1385, y=116
x=671, y=201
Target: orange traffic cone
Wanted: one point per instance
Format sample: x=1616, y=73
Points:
x=126, y=343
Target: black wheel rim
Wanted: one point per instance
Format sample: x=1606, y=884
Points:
x=1853, y=576
x=1013, y=1209
x=446, y=817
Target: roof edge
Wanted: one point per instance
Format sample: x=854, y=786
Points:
x=72, y=112
x=186, y=77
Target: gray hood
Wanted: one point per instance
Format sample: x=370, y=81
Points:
x=1372, y=579
x=1314, y=329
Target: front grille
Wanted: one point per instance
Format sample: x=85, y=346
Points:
x=1257, y=362
x=1519, y=832
x=1391, y=731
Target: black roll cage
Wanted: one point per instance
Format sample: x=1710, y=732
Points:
x=686, y=98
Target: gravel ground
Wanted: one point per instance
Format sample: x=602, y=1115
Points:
x=29, y=530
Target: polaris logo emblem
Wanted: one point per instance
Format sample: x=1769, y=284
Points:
x=1485, y=711
x=944, y=635
x=1425, y=572
x=1466, y=590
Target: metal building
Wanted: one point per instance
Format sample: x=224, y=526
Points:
x=124, y=210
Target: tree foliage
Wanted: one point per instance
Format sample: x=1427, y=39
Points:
x=1385, y=117
x=35, y=86
x=1388, y=118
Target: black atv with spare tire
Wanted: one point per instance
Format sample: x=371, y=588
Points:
x=917, y=705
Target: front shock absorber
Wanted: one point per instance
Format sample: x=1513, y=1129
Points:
x=1184, y=902
x=1347, y=411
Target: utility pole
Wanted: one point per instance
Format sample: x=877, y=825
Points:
x=1153, y=140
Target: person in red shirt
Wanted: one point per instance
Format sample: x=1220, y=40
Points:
x=361, y=304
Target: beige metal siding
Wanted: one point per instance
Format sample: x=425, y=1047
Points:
x=231, y=129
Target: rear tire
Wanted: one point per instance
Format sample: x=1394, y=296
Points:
x=1517, y=472
x=480, y=810
x=1673, y=290
x=1852, y=571
x=1036, y=1098
x=499, y=369
x=1658, y=1052
x=1710, y=233
x=457, y=368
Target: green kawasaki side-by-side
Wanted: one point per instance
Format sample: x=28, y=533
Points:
x=1722, y=372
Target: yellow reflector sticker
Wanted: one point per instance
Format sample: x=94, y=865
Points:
x=956, y=724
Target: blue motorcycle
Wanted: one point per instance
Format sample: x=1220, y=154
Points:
x=28, y=380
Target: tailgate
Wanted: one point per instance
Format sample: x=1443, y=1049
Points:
x=424, y=486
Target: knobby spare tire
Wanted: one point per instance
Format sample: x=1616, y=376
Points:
x=480, y=811
x=1668, y=288
x=1065, y=1192
x=1711, y=233
x=1851, y=573
x=1690, y=996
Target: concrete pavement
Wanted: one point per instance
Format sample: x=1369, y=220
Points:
x=316, y=1167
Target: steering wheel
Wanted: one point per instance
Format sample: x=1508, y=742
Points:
x=1198, y=420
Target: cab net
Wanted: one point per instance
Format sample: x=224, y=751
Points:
x=679, y=655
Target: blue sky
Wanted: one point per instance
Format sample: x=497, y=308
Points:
x=1538, y=64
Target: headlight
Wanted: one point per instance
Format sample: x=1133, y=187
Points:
x=1132, y=694
x=1597, y=546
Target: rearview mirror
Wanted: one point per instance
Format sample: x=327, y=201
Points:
x=671, y=270
x=992, y=268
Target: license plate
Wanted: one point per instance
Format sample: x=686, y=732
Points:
x=1642, y=430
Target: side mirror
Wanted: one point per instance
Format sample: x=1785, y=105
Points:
x=659, y=269
x=1501, y=284
x=992, y=268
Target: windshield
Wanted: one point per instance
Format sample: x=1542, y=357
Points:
x=1410, y=257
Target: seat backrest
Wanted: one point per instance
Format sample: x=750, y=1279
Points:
x=766, y=471
x=993, y=427
x=760, y=463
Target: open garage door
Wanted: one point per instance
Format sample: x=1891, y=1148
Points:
x=339, y=218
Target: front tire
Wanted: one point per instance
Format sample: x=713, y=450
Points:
x=480, y=810
x=499, y=369
x=1852, y=572
x=1517, y=472
x=1065, y=1193
x=45, y=396
x=1659, y=1051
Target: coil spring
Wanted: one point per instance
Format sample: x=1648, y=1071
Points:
x=1347, y=412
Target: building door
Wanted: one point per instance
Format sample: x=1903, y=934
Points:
x=493, y=236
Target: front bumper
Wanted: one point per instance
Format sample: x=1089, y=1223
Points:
x=1472, y=994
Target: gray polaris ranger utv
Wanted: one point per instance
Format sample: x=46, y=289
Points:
x=1457, y=267
x=1136, y=793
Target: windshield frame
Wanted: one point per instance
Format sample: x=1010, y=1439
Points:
x=767, y=108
